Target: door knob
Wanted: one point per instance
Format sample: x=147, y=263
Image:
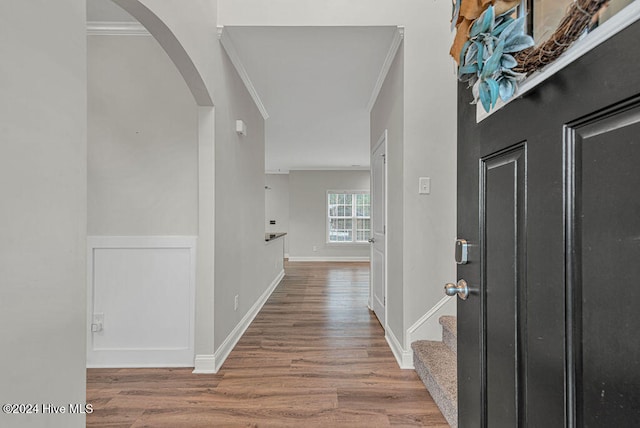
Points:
x=461, y=289
x=372, y=240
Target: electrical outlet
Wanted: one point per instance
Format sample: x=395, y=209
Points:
x=235, y=302
x=98, y=323
x=315, y=248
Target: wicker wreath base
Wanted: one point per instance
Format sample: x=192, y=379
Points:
x=580, y=15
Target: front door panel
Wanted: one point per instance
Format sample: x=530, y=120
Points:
x=549, y=200
x=604, y=220
x=503, y=217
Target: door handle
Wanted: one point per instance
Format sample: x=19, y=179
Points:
x=461, y=289
x=372, y=240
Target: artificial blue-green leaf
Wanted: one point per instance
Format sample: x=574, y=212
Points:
x=518, y=43
x=483, y=23
x=494, y=91
x=468, y=69
x=485, y=96
x=500, y=27
x=515, y=27
x=471, y=57
x=475, y=90
x=480, y=55
x=507, y=89
x=455, y=14
x=515, y=37
x=513, y=75
x=489, y=47
x=466, y=45
x=493, y=63
x=508, y=61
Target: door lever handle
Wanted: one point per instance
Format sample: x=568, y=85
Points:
x=461, y=289
x=372, y=240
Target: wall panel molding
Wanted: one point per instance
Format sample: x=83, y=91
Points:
x=143, y=287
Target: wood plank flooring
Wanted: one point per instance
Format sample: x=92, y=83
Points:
x=315, y=356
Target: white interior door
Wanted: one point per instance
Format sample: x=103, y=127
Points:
x=378, y=229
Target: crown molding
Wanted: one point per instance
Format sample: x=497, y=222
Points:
x=230, y=48
x=331, y=168
x=398, y=36
x=104, y=28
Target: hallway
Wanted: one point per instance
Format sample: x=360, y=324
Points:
x=314, y=356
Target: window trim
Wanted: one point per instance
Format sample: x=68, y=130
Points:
x=326, y=217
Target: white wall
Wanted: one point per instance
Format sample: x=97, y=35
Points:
x=429, y=140
x=277, y=205
x=231, y=171
x=43, y=209
x=187, y=32
x=240, y=202
x=388, y=114
x=274, y=258
x=308, y=213
x=142, y=141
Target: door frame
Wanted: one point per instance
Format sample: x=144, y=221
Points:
x=382, y=142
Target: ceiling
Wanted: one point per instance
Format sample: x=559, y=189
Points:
x=315, y=84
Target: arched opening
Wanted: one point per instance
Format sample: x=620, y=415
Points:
x=144, y=138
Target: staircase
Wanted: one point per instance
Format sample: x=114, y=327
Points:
x=435, y=363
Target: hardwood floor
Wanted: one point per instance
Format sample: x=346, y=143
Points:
x=315, y=356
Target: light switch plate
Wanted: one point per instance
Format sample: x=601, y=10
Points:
x=424, y=185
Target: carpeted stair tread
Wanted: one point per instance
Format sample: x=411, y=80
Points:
x=450, y=331
x=436, y=365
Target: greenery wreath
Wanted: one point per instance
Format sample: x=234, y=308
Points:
x=493, y=51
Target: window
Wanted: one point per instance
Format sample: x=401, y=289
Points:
x=349, y=216
x=547, y=15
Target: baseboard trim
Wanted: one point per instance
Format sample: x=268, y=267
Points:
x=230, y=342
x=329, y=259
x=403, y=357
x=137, y=365
x=205, y=364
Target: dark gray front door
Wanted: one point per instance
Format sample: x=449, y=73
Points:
x=549, y=199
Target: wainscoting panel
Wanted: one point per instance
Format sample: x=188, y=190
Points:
x=141, y=296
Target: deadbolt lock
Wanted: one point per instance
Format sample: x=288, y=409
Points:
x=462, y=251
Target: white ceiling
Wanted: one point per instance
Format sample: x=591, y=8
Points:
x=315, y=83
